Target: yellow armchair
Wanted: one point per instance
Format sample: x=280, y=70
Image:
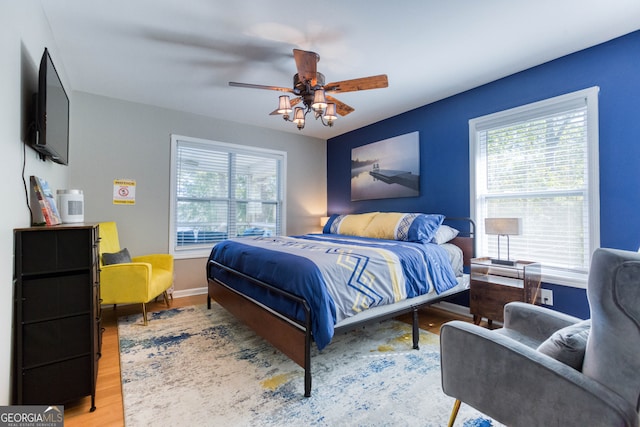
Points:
x=136, y=282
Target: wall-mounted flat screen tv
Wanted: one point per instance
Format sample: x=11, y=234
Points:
x=51, y=114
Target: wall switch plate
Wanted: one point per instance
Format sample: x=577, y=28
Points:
x=546, y=296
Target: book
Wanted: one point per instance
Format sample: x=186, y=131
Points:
x=39, y=212
x=50, y=201
x=41, y=193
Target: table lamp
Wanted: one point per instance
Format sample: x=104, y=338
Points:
x=503, y=227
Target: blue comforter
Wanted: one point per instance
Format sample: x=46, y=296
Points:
x=337, y=275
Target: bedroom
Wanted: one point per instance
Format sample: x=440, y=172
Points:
x=112, y=154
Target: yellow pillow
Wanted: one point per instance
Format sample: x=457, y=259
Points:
x=383, y=225
x=354, y=224
x=409, y=227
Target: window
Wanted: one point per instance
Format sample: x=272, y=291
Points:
x=221, y=190
x=539, y=162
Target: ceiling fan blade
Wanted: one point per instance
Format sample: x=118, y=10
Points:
x=306, y=62
x=342, y=108
x=293, y=102
x=363, y=83
x=252, y=86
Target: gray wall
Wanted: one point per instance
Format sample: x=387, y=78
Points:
x=115, y=139
x=24, y=33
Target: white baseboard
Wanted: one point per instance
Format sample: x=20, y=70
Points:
x=176, y=294
x=462, y=311
x=448, y=306
x=190, y=292
x=454, y=308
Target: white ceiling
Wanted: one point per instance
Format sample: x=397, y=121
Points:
x=181, y=54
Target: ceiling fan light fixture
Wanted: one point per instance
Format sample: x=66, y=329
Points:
x=298, y=117
x=319, y=100
x=330, y=113
x=284, y=105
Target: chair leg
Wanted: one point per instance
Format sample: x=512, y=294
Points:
x=166, y=298
x=454, y=413
x=144, y=313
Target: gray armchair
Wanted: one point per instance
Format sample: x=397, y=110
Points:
x=504, y=374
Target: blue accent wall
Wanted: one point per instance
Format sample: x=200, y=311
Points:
x=614, y=66
x=569, y=300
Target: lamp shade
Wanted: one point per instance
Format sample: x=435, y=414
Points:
x=330, y=112
x=298, y=116
x=284, y=105
x=319, y=100
x=503, y=226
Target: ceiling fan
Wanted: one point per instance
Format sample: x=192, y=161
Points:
x=309, y=88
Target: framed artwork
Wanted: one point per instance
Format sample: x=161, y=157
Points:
x=386, y=169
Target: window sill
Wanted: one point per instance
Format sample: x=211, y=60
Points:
x=557, y=276
x=194, y=253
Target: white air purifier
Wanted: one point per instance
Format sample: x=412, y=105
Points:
x=71, y=206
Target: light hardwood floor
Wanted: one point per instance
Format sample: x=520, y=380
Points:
x=109, y=409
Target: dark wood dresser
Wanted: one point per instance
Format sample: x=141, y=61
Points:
x=57, y=332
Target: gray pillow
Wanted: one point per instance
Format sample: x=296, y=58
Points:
x=444, y=234
x=117, y=257
x=568, y=344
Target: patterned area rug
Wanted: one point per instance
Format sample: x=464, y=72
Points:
x=193, y=366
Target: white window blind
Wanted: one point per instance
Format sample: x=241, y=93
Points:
x=539, y=163
x=223, y=190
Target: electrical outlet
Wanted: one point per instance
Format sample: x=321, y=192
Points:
x=546, y=296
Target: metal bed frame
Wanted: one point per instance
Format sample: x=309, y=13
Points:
x=293, y=337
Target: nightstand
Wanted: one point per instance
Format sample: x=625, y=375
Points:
x=494, y=285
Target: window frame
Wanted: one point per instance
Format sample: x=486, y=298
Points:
x=203, y=251
x=531, y=111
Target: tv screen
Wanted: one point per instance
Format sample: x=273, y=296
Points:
x=52, y=114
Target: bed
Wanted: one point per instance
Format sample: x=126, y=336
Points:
x=296, y=291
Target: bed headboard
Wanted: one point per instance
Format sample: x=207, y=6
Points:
x=466, y=240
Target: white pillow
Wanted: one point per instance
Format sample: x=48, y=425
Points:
x=444, y=234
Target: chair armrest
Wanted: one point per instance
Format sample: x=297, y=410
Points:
x=125, y=283
x=517, y=385
x=164, y=261
x=536, y=322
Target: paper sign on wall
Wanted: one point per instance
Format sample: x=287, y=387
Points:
x=124, y=192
